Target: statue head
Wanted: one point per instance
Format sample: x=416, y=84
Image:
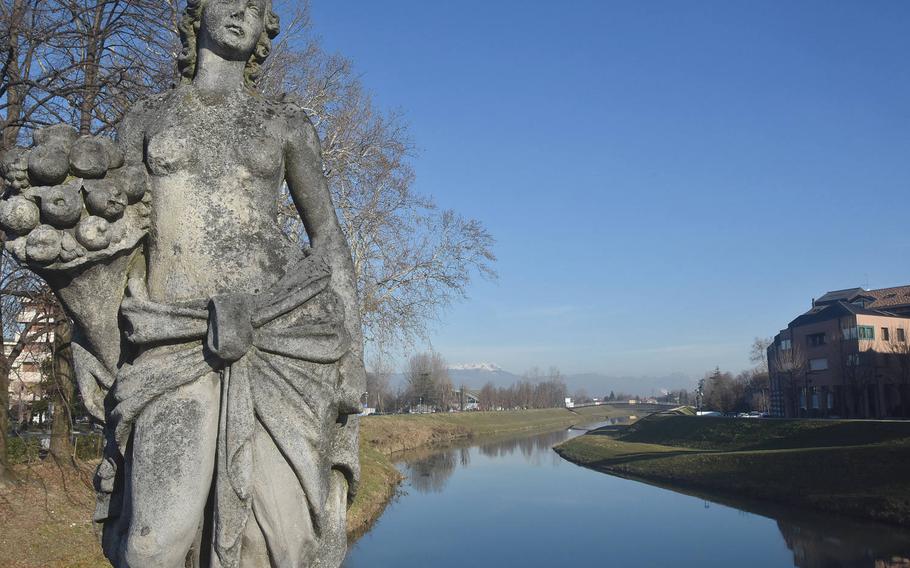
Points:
x=239, y=27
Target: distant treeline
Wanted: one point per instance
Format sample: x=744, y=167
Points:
x=533, y=390
x=427, y=387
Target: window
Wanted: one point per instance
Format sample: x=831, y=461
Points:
x=853, y=360
x=818, y=364
x=815, y=339
x=849, y=333
x=886, y=334
x=830, y=400
x=786, y=344
x=865, y=332
x=901, y=335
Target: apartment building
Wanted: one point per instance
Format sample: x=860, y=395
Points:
x=847, y=356
x=26, y=379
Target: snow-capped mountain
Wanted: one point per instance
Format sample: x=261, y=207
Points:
x=491, y=367
x=475, y=375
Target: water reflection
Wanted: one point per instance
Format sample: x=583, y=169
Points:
x=427, y=471
x=429, y=474
x=845, y=544
x=518, y=503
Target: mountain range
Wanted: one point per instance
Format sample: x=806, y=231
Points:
x=475, y=375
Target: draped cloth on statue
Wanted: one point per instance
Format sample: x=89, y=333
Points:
x=277, y=353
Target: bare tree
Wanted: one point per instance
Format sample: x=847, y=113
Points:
x=18, y=287
x=82, y=62
x=62, y=387
x=580, y=396
x=758, y=352
x=428, y=380
x=787, y=367
x=488, y=399
x=856, y=367
x=411, y=259
x=723, y=392
x=377, y=386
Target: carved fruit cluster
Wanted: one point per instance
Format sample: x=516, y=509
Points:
x=70, y=199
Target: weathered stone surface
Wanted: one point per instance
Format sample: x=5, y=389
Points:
x=43, y=244
x=48, y=164
x=104, y=198
x=69, y=248
x=19, y=215
x=225, y=361
x=59, y=134
x=89, y=158
x=14, y=166
x=61, y=205
x=93, y=233
x=114, y=154
x=131, y=180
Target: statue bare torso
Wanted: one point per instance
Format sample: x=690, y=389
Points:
x=216, y=168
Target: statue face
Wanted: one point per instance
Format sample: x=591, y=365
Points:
x=232, y=28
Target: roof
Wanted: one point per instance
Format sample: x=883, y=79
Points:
x=836, y=309
x=846, y=295
x=884, y=298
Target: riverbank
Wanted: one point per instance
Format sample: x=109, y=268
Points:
x=45, y=516
x=855, y=468
x=381, y=437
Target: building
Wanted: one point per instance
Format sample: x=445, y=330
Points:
x=470, y=400
x=26, y=378
x=847, y=356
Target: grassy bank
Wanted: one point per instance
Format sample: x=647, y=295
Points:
x=856, y=468
x=45, y=516
x=383, y=436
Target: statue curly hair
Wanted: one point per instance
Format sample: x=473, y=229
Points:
x=189, y=30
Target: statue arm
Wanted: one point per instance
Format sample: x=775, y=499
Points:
x=310, y=192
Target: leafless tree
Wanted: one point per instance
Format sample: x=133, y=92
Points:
x=534, y=390
x=411, y=259
x=857, y=369
x=723, y=392
x=18, y=287
x=81, y=62
x=62, y=387
x=428, y=381
x=378, y=391
x=758, y=352
x=788, y=368
x=487, y=396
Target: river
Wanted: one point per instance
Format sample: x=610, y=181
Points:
x=515, y=502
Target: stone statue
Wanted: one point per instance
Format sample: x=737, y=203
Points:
x=224, y=360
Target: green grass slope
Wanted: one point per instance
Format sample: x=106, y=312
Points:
x=857, y=468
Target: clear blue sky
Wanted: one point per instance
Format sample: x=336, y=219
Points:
x=666, y=180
